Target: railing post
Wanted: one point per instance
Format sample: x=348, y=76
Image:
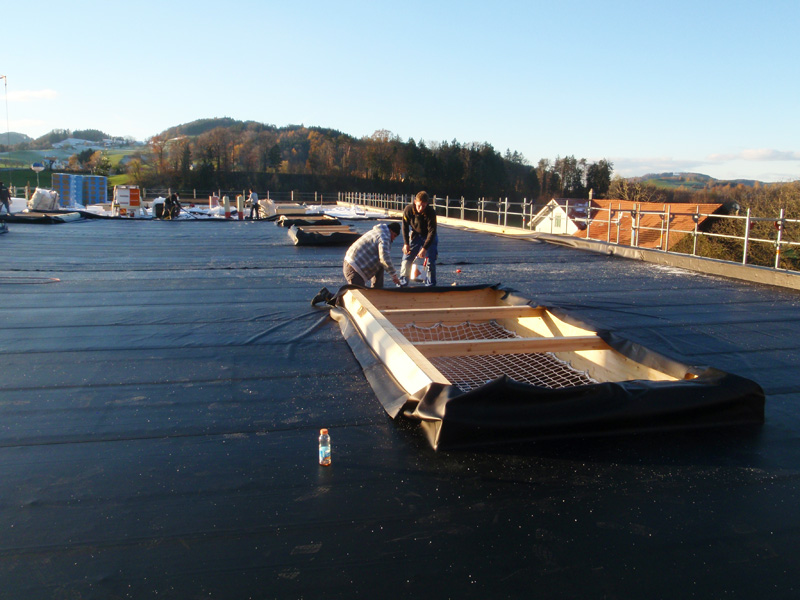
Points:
x=696, y=224
x=462, y=208
x=778, y=240
x=666, y=225
x=505, y=218
x=588, y=220
x=746, y=238
x=530, y=216
x=639, y=225
x=524, y=211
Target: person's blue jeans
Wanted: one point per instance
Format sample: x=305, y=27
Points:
x=414, y=246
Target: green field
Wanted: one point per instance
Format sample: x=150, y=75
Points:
x=23, y=177
x=692, y=182
x=15, y=166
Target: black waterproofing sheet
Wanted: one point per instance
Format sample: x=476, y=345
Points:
x=318, y=238
x=505, y=411
x=163, y=384
x=42, y=218
x=283, y=221
x=86, y=214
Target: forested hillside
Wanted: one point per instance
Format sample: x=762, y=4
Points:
x=217, y=152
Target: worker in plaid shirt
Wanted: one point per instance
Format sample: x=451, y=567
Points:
x=368, y=258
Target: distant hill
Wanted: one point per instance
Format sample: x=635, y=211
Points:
x=201, y=126
x=691, y=181
x=13, y=138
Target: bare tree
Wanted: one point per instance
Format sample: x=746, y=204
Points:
x=633, y=191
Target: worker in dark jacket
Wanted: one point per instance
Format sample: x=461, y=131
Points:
x=5, y=198
x=420, y=239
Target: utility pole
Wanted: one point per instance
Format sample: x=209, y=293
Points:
x=8, y=126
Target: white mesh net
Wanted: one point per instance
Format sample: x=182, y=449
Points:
x=469, y=372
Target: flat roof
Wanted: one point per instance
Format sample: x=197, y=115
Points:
x=163, y=385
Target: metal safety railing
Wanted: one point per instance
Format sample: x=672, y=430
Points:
x=624, y=224
x=203, y=195
x=753, y=231
x=496, y=212
x=771, y=238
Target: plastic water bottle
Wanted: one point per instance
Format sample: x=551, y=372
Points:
x=324, y=448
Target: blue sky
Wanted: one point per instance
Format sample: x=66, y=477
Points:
x=702, y=86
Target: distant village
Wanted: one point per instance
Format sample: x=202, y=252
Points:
x=79, y=144
x=76, y=145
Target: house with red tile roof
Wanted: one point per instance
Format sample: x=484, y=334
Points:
x=658, y=225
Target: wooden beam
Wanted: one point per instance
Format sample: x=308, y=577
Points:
x=408, y=365
x=511, y=346
x=385, y=299
x=325, y=228
x=460, y=314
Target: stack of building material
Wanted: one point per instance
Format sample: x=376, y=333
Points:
x=95, y=189
x=77, y=190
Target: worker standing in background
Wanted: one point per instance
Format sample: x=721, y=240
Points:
x=419, y=222
x=255, y=209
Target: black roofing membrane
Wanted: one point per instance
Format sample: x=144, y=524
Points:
x=160, y=405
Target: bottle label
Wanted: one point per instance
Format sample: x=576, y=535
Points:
x=324, y=454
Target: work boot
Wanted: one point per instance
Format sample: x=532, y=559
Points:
x=322, y=296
